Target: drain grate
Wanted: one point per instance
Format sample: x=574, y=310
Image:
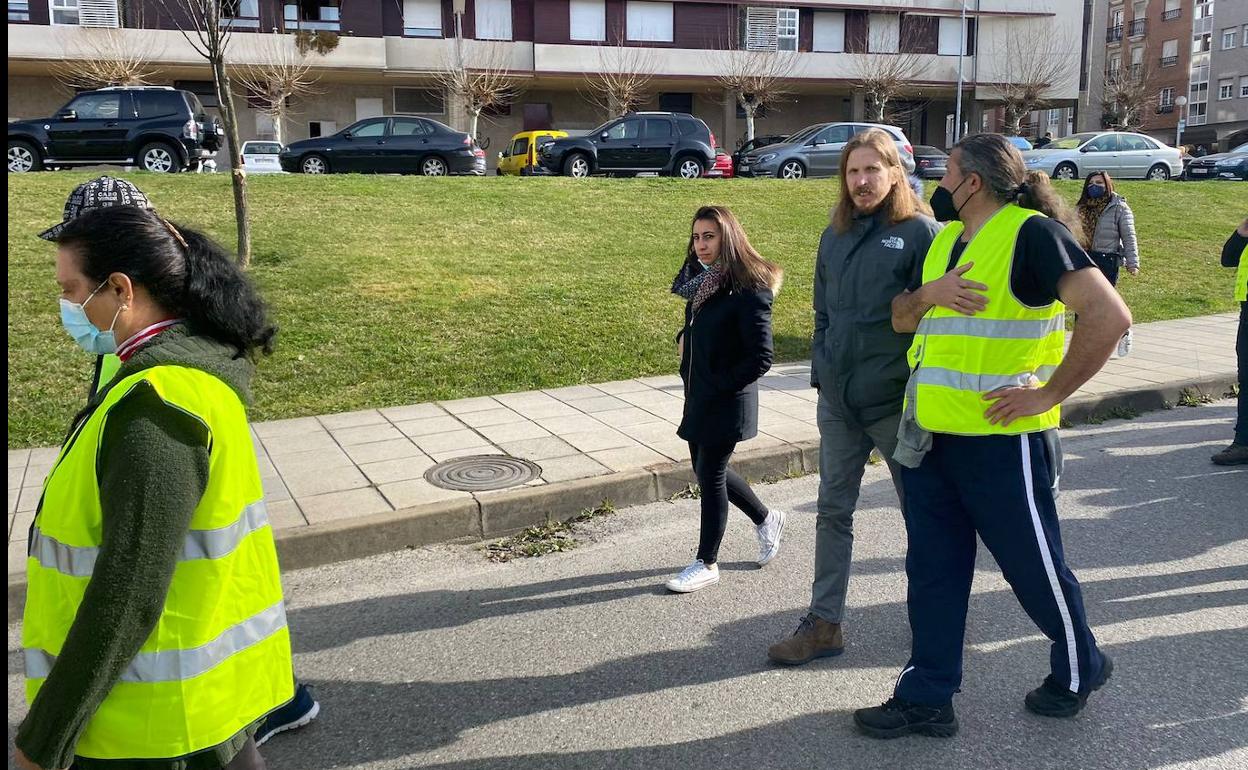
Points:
x=478, y=473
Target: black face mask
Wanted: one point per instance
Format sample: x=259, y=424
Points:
x=943, y=207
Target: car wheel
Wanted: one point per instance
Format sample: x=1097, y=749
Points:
x=158, y=157
x=314, y=164
x=1066, y=171
x=576, y=166
x=433, y=167
x=791, y=169
x=23, y=157
x=689, y=168
x=1158, y=173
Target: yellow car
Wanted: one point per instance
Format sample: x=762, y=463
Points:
x=520, y=157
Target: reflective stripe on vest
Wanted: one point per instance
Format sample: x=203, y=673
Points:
x=957, y=358
x=79, y=561
x=109, y=365
x=1241, y=277
x=218, y=657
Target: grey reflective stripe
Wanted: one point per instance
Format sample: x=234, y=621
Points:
x=179, y=665
x=992, y=328
x=978, y=383
x=79, y=561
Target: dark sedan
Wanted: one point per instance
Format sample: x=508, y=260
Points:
x=388, y=145
x=1223, y=165
x=754, y=144
x=930, y=162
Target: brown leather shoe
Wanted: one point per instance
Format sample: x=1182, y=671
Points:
x=814, y=638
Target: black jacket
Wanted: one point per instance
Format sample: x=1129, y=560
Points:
x=727, y=347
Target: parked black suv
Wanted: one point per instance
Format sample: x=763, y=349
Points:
x=672, y=143
x=156, y=128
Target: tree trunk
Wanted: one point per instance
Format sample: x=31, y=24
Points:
x=751, y=110
x=279, y=119
x=473, y=117
x=238, y=178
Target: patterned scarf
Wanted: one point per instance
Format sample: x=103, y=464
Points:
x=698, y=284
x=1090, y=214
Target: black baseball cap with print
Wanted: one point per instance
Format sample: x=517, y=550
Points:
x=99, y=193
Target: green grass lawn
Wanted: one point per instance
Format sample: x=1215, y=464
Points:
x=395, y=290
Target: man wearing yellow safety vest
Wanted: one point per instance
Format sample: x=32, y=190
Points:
x=1235, y=254
x=988, y=375
x=154, y=632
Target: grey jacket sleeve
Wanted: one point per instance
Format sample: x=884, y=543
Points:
x=1126, y=232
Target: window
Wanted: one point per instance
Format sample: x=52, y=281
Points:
x=1199, y=92
x=410, y=127
x=587, y=19
x=1166, y=97
x=657, y=130
x=204, y=89
x=883, y=32
x=1228, y=38
x=422, y=18
x=786, y=29
x=373, y=127
x=689, y=126
x=1170, y=53
x=418, y=101
x=676, y=102
x=262, y=148
x=240, y=14
x=1204, y=10
x=771, y=29
x=1115, y=65
x=1226, y=88
x=321, y=128
x=312, y=15
x=649, y=22
x=493, y=19
x=1243, y=86
x=832, y=135
x=1128, y=142
x=829, y=31
x=625, y=129
x=1202, y=43
x=100, y=106
x=19, y=10
x=521, y=147
x=1106, y=143
x=1172, y=10
x=64, y=11
x=1137, y=56
x=949, y=44
x=155, y=104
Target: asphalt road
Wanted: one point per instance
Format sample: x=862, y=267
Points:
x=439, y=658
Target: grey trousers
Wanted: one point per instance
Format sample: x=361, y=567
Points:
x=844, y=447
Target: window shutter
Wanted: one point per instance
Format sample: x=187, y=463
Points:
x=98, y=13
x=760, y=28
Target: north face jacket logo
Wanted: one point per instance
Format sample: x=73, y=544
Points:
x=893, y=242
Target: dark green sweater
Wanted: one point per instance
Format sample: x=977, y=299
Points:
x=153, y=470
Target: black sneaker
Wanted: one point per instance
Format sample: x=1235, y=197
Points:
x=1053, y=700
x=898, y=717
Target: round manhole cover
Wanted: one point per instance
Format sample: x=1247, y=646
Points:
x=481, y=472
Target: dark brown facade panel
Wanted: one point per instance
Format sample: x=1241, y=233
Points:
x=703, y=25
x=856, y=31
x=363, y=19
x=522, y=20
x=919, y=34
x=806, y=29
x=551, y=21
x=617, y=21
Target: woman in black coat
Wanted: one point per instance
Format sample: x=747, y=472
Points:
x=725, y=346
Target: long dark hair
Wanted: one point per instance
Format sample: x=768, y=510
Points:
x=187, y=273
x=1001, y=167
x=1087, y=180
x=747, y=267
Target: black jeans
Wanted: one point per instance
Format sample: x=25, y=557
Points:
x=1108, y=263
x=719, y=485
x=1241, y=355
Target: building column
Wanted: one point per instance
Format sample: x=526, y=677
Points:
x=859, y=105
x=728, y=137
x=973, y=115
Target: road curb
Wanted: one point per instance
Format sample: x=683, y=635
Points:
x=497, y=514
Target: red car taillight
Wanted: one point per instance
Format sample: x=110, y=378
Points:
x=468, y=139
x=478, y=153
x=713, y=142
x=190, y=129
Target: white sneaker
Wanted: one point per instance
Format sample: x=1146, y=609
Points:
x=695, y=576
x=769, y=533
x=1124, y=344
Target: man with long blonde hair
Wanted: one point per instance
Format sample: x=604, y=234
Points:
x=870, y=253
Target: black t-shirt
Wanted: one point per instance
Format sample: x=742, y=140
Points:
x=1044, y=252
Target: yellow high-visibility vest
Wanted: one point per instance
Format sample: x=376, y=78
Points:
x=956, y=359
x=219, y=656
x=1241, y=277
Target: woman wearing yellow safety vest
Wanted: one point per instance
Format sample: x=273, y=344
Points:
x=1235, y=254
x=154, y=632
x=988, y=375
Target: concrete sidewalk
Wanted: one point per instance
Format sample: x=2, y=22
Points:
x=348, y=485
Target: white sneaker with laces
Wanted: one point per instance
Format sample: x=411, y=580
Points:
x=693, y=577
x=769, y=533
x=1124, y=344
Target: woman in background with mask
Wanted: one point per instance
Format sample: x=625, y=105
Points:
x=1107, y=231
x=154, y=632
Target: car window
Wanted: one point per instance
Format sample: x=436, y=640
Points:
x=159, y=104
x=804, y=134
x=657, y=129
x=1241, y=148
x=521, y=146
x=625, y=129
x=368, y=128
x=1106, y=143
x=833, y=134
x=408, y=127
x=689, y=127
x=1072, y=142
x=262, y=148
x=1126, y=142
x=106, y=106
x=924, y=149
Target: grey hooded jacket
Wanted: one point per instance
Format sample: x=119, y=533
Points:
x=1115, y=232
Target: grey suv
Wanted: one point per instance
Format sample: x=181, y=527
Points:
x=816, y=151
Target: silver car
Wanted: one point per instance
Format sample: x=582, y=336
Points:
x=1123, y=154
x=816, y=151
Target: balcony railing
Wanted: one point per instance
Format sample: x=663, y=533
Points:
x=1169, y=61
x=1164, y=109
x=1171, y=15
x=1137, y=28
x=239, y=22
x=1113, y=34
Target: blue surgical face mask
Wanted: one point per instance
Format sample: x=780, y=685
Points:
x=74, y=319
x=1096, y=191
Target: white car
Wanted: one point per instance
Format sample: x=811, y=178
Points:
x=1125, y=155
x=260, y=157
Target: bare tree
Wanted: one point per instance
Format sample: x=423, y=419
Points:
x=886, y=71
x=478, y=74
x=1033, y=60
x=621, y=82
x=1130, y=93
x=209, y=31
x=95, y=57
x=755, y=78
x=280, y=72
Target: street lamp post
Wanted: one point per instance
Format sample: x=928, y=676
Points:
x=1180, y=102
x=957, y=110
